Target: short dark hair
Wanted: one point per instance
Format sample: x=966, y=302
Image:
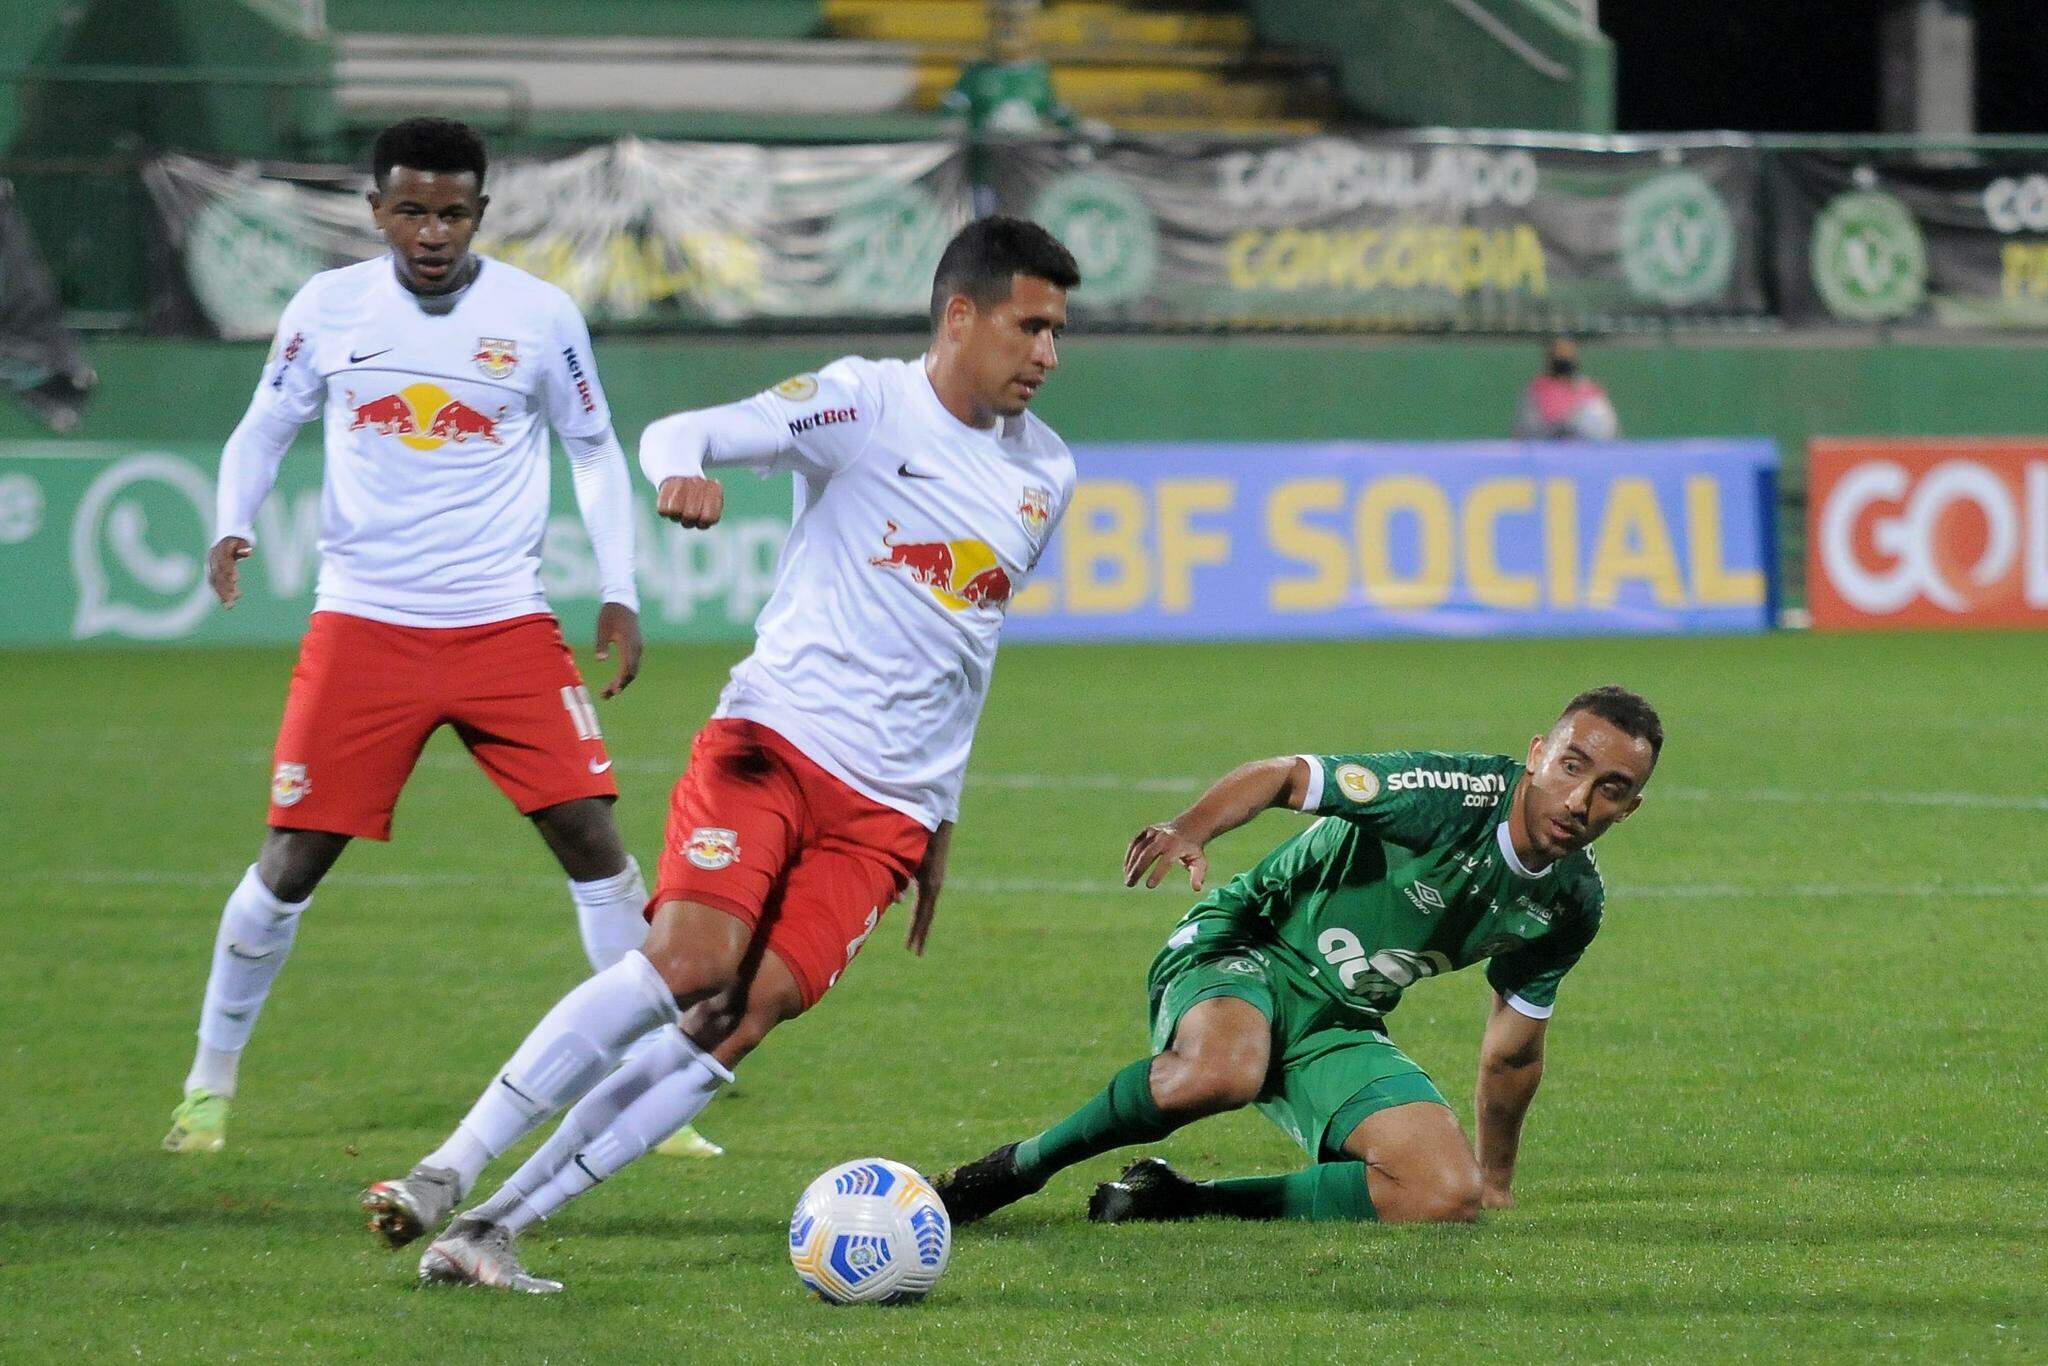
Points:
x=428, y=145
x=1630, y=713
x=983, y=257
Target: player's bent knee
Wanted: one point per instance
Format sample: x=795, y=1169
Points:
x=697, y=950
x=1203, y=1086
x=293, y=862
x=1449, y=1195
x=1446, y=1206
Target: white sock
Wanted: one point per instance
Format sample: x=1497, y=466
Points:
x=255, y=937
x=612, y=914
x=654, y=1056
x=618, y=1122
x=568, y=1052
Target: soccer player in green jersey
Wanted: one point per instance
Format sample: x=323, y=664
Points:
x=1274, y=990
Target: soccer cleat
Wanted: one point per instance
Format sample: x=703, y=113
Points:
x=687, y=1142
x=403, y=1210
x=199, y=1124
x=977, y=1189
x=1148, y=1190
x=477, y=1252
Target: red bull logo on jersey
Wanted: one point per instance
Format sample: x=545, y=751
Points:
x=960, y=574
x=496, y=356
x=711, y=848
x=289, y=784
x=1036, y=509
x=426, y=417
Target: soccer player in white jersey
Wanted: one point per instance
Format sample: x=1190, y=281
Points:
x=438, y=373
x=830, y=773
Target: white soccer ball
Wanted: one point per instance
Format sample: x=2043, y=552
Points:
x=870, y=1232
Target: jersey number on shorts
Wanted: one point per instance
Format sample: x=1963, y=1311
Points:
x=582, y=712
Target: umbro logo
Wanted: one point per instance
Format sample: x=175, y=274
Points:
x=909, y=473
x=354, y=359
x=1427, y=899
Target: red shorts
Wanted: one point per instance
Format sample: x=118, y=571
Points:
x=760, y=832
x=366, y=695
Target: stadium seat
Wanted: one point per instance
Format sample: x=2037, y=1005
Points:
x=794, y=69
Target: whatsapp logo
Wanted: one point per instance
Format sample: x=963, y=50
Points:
x=1677, y=240
x=138, y=546
x=246, y=257
x=1869, y=259
x=887, y=248
x=1110, y=230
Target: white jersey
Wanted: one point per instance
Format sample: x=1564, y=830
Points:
x=913, y=532
x=435, y=499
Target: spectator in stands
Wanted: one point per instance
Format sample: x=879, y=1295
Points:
x=1561, y=404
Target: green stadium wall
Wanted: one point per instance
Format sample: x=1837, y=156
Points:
x=184, y=396
x=1477, y=64
x=1131, y=389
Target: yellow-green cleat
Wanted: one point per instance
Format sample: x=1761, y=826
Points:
x=199, y=1124
x=687, y=1142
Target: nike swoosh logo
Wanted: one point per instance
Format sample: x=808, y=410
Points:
x=236, y=950
x=596, y=767
x=354, y=359
x=909, y=473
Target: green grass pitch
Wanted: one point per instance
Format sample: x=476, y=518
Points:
x=1796, y=1105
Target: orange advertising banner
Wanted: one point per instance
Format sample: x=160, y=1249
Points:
x=1933, y=532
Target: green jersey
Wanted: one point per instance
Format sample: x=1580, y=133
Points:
x=1409, y=874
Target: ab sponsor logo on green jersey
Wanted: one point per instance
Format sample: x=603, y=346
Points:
x=1379, y=977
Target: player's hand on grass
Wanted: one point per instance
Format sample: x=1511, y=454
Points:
x=1496, y=1197
x=618, y=624
x=691, y=500
x=1159, y=847
x=223, y=566
x=931, y=874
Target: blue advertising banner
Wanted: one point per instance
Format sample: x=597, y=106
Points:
x=1365, y=539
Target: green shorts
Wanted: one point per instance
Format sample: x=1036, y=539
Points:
x=1325, y=1077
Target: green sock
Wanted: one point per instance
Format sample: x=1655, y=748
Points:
x=1121, y=1113
x=1331, y=1192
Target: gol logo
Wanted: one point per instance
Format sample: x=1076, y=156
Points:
x=960, y=574
x=1929, y=533
x=425, y=417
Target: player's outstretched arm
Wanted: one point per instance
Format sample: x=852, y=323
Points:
x=1510, y=1067
x=676, y=450
x=1232, y=800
